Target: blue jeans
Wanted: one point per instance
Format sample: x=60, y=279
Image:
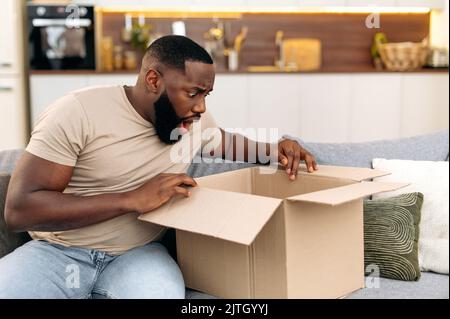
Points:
x=40, y=269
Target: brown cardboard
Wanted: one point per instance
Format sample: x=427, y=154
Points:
x=249, y=234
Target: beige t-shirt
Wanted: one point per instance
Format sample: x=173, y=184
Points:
x=112, y=149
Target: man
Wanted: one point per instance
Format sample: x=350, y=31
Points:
x=97, y=159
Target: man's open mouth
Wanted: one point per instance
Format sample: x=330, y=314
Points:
x=187, y=123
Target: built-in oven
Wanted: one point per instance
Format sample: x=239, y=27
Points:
x=61, y=37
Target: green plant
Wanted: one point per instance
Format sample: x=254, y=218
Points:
x=140, y=36
x=379, y=38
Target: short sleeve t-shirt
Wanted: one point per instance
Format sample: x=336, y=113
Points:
x=112, y=149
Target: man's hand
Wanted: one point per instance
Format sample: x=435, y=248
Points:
x=158, y=191
x=290, y=153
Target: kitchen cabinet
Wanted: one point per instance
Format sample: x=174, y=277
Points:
x=425, y=104
x=45, y=89
x=12, y=113
x=342, y=107
x=228, y=103
x=274, y=102
x=375, y=107
x=13, y=118
x=10, y=47
x=325, y=107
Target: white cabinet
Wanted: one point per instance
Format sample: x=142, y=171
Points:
x=12, y=114
x=45, y=89
x=375, y=108
x=425, y=103
x=10, y=28
x=228, y=103
x=273, y=103
x=324, y=107
x=346, y=107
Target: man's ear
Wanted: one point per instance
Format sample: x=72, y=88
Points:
x=153, y=81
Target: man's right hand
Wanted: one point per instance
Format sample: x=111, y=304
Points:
x=158, y=191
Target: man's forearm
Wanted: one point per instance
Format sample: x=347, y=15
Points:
x=55, y=211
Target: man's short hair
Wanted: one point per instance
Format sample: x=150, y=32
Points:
x=174, y=50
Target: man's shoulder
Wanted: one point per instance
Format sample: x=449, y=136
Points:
x=99, y=99
x=99, y=92
x=76, y=103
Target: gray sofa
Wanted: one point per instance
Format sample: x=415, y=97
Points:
x=433, y=147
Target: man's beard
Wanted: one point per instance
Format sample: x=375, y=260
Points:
x=167, y=120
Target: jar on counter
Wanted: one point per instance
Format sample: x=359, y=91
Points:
x=107, y=54
x=118, y=57
x=130, y=60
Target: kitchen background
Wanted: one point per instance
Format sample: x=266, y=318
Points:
x=324, y=70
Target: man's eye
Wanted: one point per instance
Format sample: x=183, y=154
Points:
x=192, y=94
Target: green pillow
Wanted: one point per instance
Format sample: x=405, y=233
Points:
x=391, y=234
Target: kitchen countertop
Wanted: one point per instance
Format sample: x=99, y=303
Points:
x=262, y=70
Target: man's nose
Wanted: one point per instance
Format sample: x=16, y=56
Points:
x=200, y=107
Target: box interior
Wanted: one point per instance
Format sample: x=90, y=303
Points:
x=267, y=183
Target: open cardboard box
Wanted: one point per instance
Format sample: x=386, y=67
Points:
x=253, y=233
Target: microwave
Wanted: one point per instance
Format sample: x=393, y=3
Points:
x=61, y=37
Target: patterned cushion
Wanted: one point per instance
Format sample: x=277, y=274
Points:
x=391, y=233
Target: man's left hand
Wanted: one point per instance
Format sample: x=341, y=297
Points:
x=290, y=153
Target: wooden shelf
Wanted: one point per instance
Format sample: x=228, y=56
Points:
x=261, y=70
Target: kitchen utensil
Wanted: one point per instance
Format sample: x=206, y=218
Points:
x=301, y=54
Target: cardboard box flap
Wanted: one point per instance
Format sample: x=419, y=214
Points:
x=235, y=217
x=344, y=194
x=353, y=173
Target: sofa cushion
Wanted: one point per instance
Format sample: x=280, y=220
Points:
x=8, y=160
x=430, y=147
x=8, y=240
x=391, y=234
x=431, y=178
x=430, y=286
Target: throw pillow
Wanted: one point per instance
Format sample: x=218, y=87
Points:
x=431, y=179
x=391, y=233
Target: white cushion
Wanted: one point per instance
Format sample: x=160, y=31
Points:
x=432, y=180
